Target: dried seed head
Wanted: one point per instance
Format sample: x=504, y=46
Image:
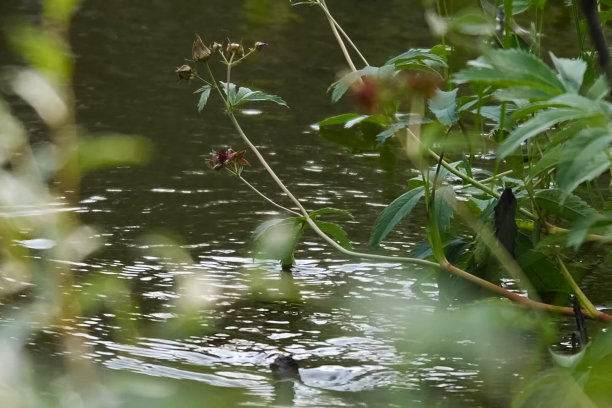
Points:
x=184, y=72
x=259, y=45
x=199, y=51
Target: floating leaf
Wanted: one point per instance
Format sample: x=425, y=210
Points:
x=204, y=94
x=444, y=106
x=584, y=158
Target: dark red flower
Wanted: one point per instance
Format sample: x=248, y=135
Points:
x=232, y=160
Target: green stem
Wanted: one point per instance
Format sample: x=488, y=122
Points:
x=584, y=300
x=262, y=195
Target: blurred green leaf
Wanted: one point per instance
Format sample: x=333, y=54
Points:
x=470, y=21
x=113, y=150
x=571, y=71
x=584, y=158
x=393, y=214
x=444, y=106
x=339, y=88
x=557, y=202
x=543, y=121
x=513, y=67
x=42, y=49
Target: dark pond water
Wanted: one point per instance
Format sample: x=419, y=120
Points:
x=359, y=329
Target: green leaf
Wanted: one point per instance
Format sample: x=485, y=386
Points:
x=278, y=238
x=513, y=67
x=204, y=94
x=330, y=210
x=599, y=89
x=244, y=95
x=571, y=71
x=557, y=202
x=382, y=137
x=584, y=158
x=339, y=119
x=335, y=231
x=471, y=21
x=599, y=223
x=393, y=214
x=444, y=106
x=539, y=123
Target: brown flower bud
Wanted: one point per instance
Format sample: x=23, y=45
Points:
x=259, y=45
x=184, y=72
x=233, y=48
x=199, y=51
x=216, y=47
